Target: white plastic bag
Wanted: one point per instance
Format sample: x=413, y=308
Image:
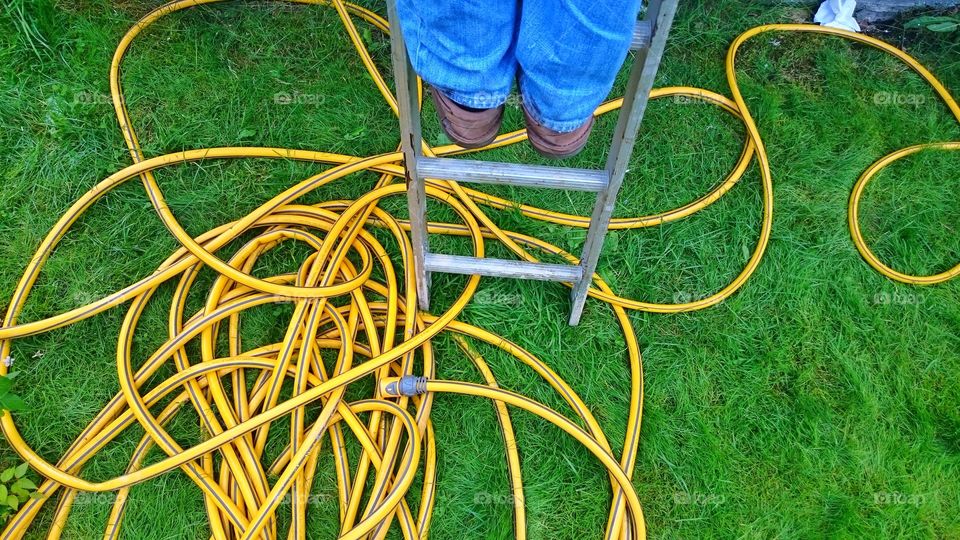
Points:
x=837, y=14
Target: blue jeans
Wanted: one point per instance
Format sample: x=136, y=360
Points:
x=565, y=54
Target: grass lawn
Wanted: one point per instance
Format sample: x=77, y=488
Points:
x=820, y=401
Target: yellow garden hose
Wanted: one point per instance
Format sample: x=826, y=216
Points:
x=371, y=324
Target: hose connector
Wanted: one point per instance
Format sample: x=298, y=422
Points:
x=408, y=385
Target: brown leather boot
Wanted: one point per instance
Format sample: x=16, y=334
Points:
x=554, y=144
x=469, y=128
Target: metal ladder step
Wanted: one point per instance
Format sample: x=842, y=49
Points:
x=458, y=264
x=642, y=35
x=494, y=172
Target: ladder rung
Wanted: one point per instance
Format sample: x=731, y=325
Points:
x=457, y=264
x=494, y=172
x=642, y=35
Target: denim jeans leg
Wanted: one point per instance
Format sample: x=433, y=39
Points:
x=464, y=48
x=569, y=53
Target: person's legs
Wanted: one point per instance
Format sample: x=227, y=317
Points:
x=569, y=53
x=464, y=48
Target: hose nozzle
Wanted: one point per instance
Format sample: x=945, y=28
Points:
x=408, y=385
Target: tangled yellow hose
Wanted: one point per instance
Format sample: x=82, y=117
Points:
x=372, y=325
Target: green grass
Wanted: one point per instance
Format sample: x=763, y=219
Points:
x=821, y=401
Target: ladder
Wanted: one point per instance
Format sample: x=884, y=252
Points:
x=649, y=40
